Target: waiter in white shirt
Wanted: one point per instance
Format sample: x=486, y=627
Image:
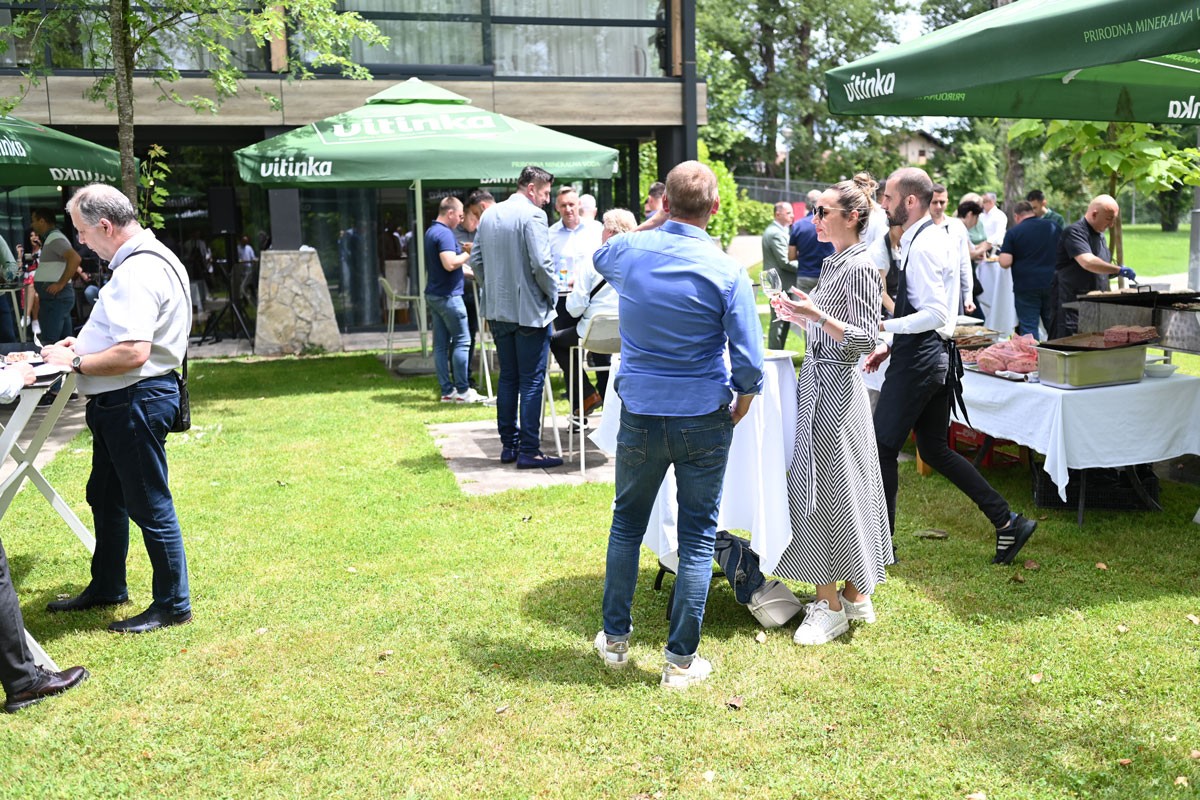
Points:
x=960, y=245
x=923, y=378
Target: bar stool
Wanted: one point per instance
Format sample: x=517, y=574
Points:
x=603, y=337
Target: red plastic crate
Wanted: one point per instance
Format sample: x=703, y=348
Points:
x=968, y=441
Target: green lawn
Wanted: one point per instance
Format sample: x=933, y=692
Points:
x=1151, y=252
x=364, y=630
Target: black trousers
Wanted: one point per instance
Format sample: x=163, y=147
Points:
x=16, y=662
x=561, y=342
x=918, y=399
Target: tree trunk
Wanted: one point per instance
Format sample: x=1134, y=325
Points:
x=1014, y=176
x=122, y=52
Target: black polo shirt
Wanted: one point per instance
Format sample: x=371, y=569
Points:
x=1079, y=238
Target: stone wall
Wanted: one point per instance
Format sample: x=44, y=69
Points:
x=295, y=312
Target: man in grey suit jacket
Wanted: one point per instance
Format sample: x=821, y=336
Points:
x=775, y=256
x=512, y=254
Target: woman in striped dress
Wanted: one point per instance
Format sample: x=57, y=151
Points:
x=835, y=493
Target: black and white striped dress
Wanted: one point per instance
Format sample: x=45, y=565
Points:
x=835, y=493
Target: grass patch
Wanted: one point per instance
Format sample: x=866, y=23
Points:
x=1151, y=252
x=324, y=530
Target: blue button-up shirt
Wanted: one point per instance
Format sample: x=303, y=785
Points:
x=682, y=301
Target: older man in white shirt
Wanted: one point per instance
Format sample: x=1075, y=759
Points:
x=125, y=356
x=573, y=241
x=922, y=380
x=995, y=221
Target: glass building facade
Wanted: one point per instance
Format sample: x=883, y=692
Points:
x=361, y=235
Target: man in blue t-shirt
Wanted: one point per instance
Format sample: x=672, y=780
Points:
x=444, y=262
x=1029, y=251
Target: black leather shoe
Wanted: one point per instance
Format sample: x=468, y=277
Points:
x=150, y=620
x=508, y=455
x=537, y=461
x=48, y=684
x=85, y=600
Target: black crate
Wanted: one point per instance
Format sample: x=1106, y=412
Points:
x=1110, y=488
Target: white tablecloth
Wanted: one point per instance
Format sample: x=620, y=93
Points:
x=1108, y=426
x=997, y=298
x=755, y=494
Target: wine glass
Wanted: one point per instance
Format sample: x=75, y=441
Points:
x=772, y=285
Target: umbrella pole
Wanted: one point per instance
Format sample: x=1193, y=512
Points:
x=419, y=235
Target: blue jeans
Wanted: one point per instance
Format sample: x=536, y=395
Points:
x=522, y=353
x=129, y=481
x=451, y=341
x=698, y=447
x=1030, y=307
x=54, y=313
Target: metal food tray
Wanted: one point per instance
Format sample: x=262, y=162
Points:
x=1085, y=369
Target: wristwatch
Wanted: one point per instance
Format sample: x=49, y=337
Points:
x=821, y=320
x=77, y=364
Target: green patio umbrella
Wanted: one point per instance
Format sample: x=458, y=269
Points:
x=1125, y=60
x=34, y=155
x=417, y=131
x=411, y=133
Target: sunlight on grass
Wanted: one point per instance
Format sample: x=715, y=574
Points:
x=363, y=629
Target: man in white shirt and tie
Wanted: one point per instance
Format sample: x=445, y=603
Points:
x=922, y=380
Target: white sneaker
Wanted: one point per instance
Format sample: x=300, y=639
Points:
x=450, y=398
x=615, y=654
x=677, y=677
x=821, y=624
x=470, y=396
x=862, y=611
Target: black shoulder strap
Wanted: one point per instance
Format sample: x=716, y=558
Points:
x=920, y=230
x=596, y=289
x=187, y=297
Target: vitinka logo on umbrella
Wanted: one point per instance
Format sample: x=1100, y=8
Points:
x=864, y=87
x=279, y=167
x=408, y=127
x=11, y=147
x=1184, y=109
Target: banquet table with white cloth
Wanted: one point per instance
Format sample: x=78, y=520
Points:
x=754, y=498
x=1102, y=426
x=996, y=302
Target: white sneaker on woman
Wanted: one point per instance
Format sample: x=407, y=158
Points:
x=821, y=624
x=862, y=611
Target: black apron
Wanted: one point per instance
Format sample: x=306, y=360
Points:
x=923, y=351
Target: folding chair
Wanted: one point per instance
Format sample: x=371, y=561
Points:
x=392, y=301
x=603, y=337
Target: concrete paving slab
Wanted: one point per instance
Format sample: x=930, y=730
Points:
x=472, y=452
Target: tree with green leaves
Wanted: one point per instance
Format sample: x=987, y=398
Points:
x=1148, y=156
x=767, y=61
x=118, y=40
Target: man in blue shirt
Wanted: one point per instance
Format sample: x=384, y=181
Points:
x=1029, y=251
x=683, y=302
x=444, y=263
